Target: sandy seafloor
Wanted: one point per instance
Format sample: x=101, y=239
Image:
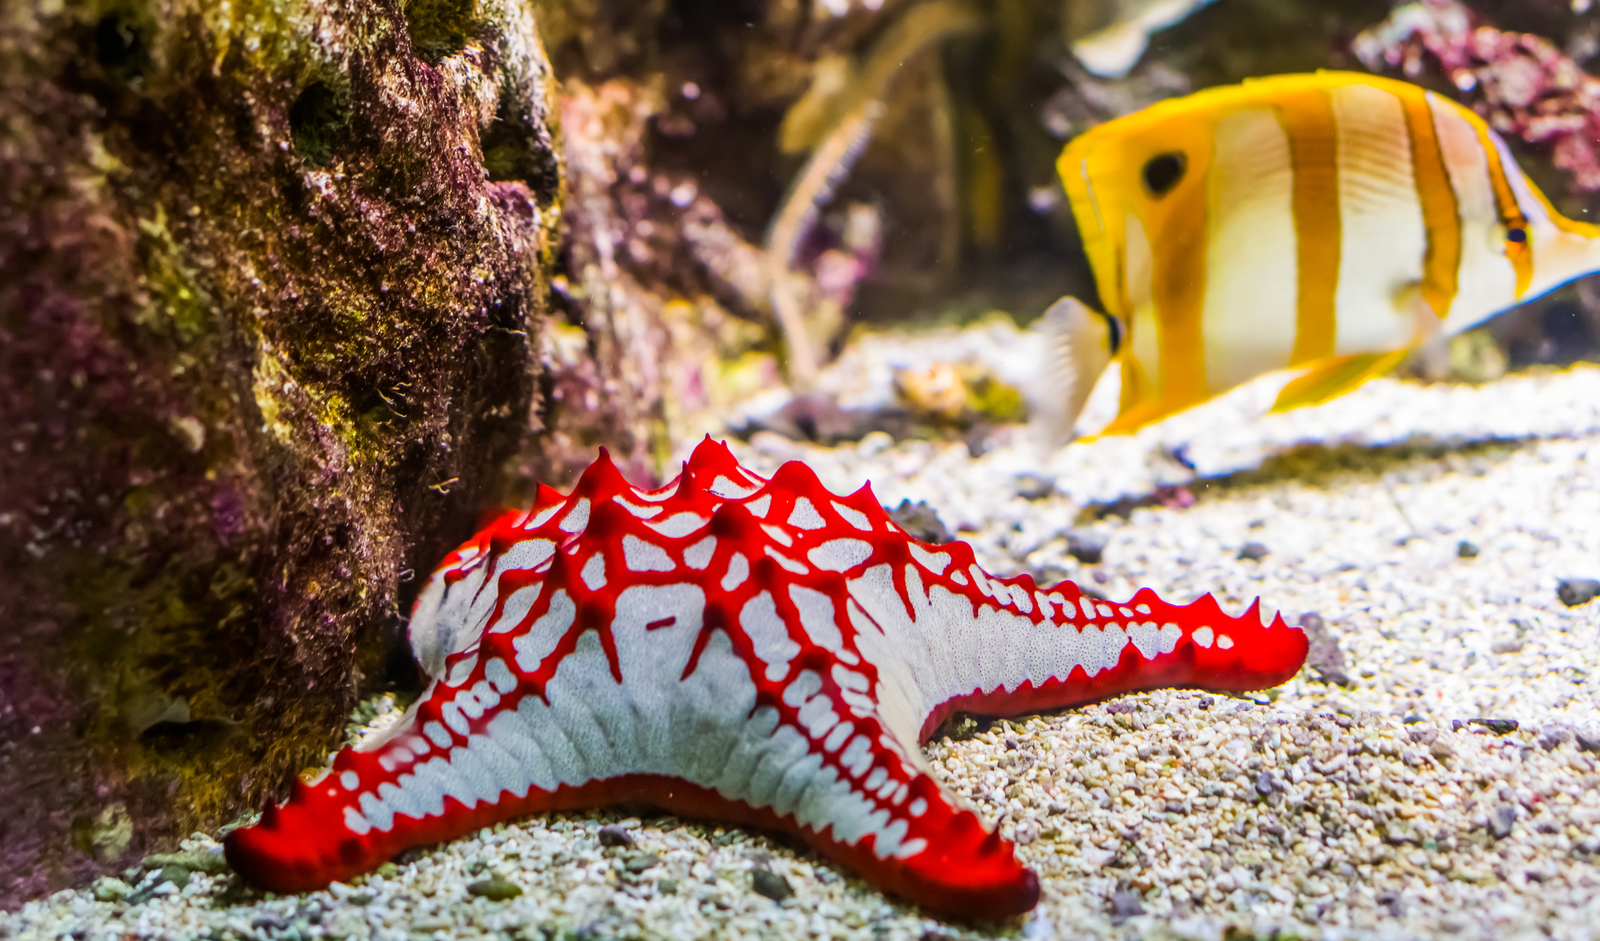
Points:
x=1365, y=810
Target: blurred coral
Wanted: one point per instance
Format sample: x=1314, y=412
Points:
x=958, y=394
x=1524, y=84
x=1110, y=36
x=834, y=120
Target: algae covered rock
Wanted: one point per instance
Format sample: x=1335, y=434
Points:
x=272, y=280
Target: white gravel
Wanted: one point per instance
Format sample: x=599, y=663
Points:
x=1318, y=811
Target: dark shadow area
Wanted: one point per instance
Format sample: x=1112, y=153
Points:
x=513, y=152
x=439, y=28
x=317, y=120
x=1322, y=465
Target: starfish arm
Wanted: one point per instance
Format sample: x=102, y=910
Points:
x=759, y=652
x=971, y=642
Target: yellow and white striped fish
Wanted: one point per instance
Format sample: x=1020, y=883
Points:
x=1333, y=221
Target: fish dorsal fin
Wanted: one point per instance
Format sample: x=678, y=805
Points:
x=1335, y=376
x=1079, y=343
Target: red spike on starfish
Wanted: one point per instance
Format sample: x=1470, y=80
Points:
x=758, y=652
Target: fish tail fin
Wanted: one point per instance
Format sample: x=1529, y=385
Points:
x=1335, y=376
x=1079, y=343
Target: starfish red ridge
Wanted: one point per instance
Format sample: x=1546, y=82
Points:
x=760, y=652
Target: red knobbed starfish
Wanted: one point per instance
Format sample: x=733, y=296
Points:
x=758, y=652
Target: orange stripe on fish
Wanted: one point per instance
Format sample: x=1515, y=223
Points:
x=1308, y=117
x=1516, y=224
x=1439, y=213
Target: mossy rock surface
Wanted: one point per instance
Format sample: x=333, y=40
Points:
x=268, y=333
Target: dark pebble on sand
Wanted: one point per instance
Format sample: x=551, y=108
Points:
x=1553, y=736
x=1467, y=550
x=1034, y=487
x=1126, y=904
x=1497, y=726
x=640, y=862
x=1576, y=591
x=613, y=835
x=770, y=884
x=920, y=521
x=1254, y=551
x=1324, y=655
x=1501, y=820
x=1087, y=547
x=495, y=889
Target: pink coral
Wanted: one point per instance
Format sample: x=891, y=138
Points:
x=1522, y=83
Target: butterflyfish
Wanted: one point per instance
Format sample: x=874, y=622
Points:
x=1331, y=222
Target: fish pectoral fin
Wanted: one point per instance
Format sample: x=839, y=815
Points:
x=1335, y=376
x=1145, y=413
x=1079, y=343
x=1428, y=338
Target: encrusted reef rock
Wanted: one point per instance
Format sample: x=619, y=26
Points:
x=272, y=282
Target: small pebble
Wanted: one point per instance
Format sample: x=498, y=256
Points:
x=1501, y=820
x=1390, y=899
x=1254, y=551
x=495, y=889
x=773, y=886
x=1034, y=487
x=1552, y=736
x=1466, y=550
x=1325, y=655
x=211, y=863
x=1497, y=726
x=1087, y=547
x=1126, y=904
x=639, y=862
x=1400, y=830
x=1576, y=591
x=921, y=521
x=613, y=835
x=109, y=889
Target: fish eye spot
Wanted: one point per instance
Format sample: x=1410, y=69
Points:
x=1163, y=172
x=1114, y=331
x=1517, y=234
